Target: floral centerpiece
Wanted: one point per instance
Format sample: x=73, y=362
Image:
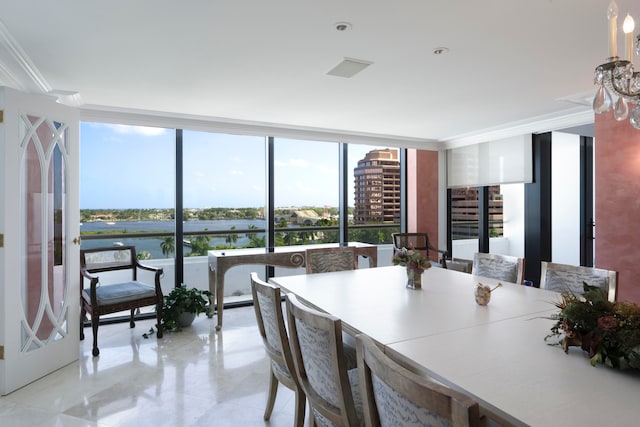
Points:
x=609, y=331
x=416, y=265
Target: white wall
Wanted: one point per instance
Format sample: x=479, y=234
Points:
x=513, y=220
x=565, y=198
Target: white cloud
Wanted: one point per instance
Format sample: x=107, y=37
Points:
x=326, y=170
x=137, y=130
x=301, y=163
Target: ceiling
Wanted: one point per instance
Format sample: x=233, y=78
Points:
x=512, y=66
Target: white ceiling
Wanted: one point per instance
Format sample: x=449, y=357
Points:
x=513, y=66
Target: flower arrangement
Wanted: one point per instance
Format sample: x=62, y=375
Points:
x=412, y=259
x=609, y=331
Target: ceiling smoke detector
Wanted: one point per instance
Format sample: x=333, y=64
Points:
x=343, y=26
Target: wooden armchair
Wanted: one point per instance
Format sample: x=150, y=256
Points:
x=126, y=293
x=419, y=242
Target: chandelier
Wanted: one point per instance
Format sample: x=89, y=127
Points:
x=617, y=75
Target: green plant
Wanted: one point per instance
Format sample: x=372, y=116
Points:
x=183, y=300
x=609, y=331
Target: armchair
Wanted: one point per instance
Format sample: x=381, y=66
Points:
x=419, y=242
x=120, y=295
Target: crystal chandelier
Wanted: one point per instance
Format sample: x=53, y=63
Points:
x=617, y=75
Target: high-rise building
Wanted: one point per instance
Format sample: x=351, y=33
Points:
x=377, y=187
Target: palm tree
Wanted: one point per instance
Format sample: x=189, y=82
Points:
x=232, y=238
x=168, y=246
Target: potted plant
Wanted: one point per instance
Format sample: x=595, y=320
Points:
x=181, y=306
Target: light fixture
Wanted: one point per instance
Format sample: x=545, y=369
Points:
x=617, y=75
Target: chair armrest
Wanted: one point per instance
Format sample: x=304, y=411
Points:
x=158, y=272
x=84, y=274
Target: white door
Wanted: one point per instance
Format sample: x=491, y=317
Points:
x=39, y=220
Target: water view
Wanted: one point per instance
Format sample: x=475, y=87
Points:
x=152, y=245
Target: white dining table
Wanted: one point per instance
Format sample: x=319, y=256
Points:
x=495, y=353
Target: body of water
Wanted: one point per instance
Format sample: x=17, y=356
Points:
x=152, y=244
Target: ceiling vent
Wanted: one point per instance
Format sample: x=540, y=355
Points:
x=349, y=67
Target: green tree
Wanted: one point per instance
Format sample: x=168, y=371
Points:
x=199, y=246
x=232, y=238
x=168, y=246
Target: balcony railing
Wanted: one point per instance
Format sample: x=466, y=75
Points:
x=195, y=267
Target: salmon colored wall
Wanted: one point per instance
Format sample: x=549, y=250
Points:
x=617, y=195
x=422, y=193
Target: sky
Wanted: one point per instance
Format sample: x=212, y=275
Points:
x=124, y=167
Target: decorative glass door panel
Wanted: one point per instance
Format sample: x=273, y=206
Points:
x=44, y=284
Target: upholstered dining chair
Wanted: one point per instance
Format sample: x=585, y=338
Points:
x=419, y=242
x=267, y=302
x=570, y=278
x=316, y=343
x=500, y=267
x=322, y=260
x=395, y=396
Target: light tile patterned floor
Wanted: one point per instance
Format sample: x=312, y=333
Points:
x=198, y=377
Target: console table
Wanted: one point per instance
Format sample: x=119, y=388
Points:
x=281, y=256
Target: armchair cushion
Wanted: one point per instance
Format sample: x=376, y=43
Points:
x=123, y=292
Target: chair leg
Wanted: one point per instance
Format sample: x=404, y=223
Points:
x=83, y=313
x=132, y=324
x=95, y=321
x=301, y=401
x=159, y=319
x=271, y=398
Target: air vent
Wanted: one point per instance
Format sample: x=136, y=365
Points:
x=349, y=67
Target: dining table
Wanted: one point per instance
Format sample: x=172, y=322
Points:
x=496, y=353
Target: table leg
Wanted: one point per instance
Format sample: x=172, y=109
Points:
x=219, y=296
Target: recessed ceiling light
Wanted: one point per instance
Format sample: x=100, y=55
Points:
x=440, y=50
x=349, y=67
x=342, y=26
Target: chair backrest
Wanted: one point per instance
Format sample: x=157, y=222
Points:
x=112, y=261
x=394, y=396
x=318, y=354
x=419, y=242
x=267, y=302
x=322, y=260
x=500, y=267
x=563, y=277
x=460, y=264
x=107, y=259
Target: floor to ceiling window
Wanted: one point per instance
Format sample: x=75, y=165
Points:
x=129, y=196
x=306, y=191
x=127, y=190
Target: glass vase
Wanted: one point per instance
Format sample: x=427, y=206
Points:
x=414, y=278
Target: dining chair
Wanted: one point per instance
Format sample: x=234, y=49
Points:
x=267, y=302
x=316, y=344
x=394, y=396
x=460, y=264
x=571, y=278
x=419, y=242
x=500, y=267
x=323, y=260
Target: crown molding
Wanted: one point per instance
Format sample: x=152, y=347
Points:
x=16, y=68
x=571, y=118
x=135, y=117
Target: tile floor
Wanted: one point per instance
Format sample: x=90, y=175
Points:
x=198, y=377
